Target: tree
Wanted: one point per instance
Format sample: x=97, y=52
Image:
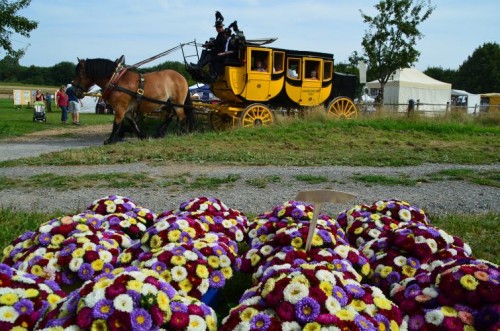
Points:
x=389, y=43
x=480, y=73
x=444, y=75
x=10, y=22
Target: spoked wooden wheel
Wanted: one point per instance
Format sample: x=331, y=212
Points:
x=220, y=122
x=342, y=107
x=256, y=115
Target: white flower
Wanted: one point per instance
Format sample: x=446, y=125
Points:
x=342, y=251
x=190, y=255
x=374, y=233
x=400, y=261
x=252, y=233
x=45, y=228
x=250, y=301
x=239, y=236
x=178, y=273
x=449, y=239
x=332, y=305
x=149, y=289
x=105, y=256
x=324, y=275
x=434, y=317
x=243, y=326
x=294, y=292
x=110, y=208
x=75, y=264
x=266, y=249
x=430, y=291
x=432, y=244
x=8, y=314
x=227, y=224
x=405, y=215
x=204, y=285
x=291, y=326
x=329, y=328
x=124, y=303
x=162, y=225
x=419, y=239
x=196, y=323
x=225, y=261
x=124, y=224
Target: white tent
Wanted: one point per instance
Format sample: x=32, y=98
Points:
x=409, y=83
x=466, y=99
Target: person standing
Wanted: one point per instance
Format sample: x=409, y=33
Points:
x=48, y=101
x=74, y=105
x=39, y=96
x=62, y=102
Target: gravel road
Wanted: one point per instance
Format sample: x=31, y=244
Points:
x=435, y=197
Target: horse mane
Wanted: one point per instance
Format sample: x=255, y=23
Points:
x=99, y=68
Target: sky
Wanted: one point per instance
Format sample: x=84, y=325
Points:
x=140, y=29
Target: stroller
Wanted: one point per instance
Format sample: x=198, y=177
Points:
x=39, y=112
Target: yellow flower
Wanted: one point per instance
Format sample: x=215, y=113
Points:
x=213, y=261
x=202, y=271
x=145, y=238
x=37, y=271
x=386, y=270
x=82, y=227
x=191, y=232
x=345, y=315
x=268, y=287
x=185, y=285
x=79, y=252
x=31, y=293
x=313, y=326
x=255, y=259
x=57, y=239
x=365, y=270
x=358, y=230
x=408, y=271
x=211, y=323
x=155, y=242
x=394, y=326
x=449, y=311
x=382, y=303
x=174, y=236
x=317, y=240
x=297, y=242
x=247, y=314
x=97, y=265
x=469, y=282
x=9, y=299
x=20, y=328
x=7, y=250
x=326, y=287
x=99, y=325
x=163, y=301
x=53, y=299
x=166, y=275
x=134, y=285
x=178, y=260
x=227, y=272
x=102, y=283
x=358, y=305
x=125, y=257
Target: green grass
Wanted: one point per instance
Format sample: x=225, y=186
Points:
x=487, y=178
x=311, y=179
x=262, y=182
x=306, y=142
x=385, y=180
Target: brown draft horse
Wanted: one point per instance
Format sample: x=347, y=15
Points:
x=129, y=92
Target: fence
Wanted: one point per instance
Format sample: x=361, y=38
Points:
x=427, y=109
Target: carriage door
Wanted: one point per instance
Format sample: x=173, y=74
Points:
x=312, y=77
x=258, y=74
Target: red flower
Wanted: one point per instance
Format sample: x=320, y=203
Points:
x=286, y=311
x=157, y=315
x=119, y=321
x=179, y=320
x=91, y=256
x=84, y=318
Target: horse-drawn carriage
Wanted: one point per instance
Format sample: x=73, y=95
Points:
x=258, y=79
x=251, y=84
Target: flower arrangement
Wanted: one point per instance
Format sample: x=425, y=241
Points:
x=263, y=228
x=128, y=299
x=67, y=251
x=398, y=210
x=112, y=204
x=373, y=226
x=129, y=223
x=217, y=216
x=24, y=298
x=461, y=294
x=311, y=297
x=194, y=268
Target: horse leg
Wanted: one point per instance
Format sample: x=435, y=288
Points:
x=162, y=130
x=114, y=137
x=135, y=128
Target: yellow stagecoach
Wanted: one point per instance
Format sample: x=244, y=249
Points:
x=258, y=79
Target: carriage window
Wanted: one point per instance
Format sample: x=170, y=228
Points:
x=312, y=68
x=327, y=70
x=293, y=68
x=278, y=61
x=260, y=61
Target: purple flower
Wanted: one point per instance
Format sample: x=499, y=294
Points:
x=141, y=319
x=217, y=279
x=297, y=213
x=68, y=250
x=86, y=272
x=176, y=306
x=363, y=323
x=159, y=266
x=6, y=270
x=356, y=290
x=260, y=321
x=340, y=295
x=307, y=310
x=103, y=309
x=24, y=307
x=412, y=291
x=45, y=239
x=393, y=277
x=416, y=322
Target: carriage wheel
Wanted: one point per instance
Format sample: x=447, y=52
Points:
x=256, y=115
x=342, y=107
x=220, y=122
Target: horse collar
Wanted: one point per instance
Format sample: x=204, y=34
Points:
x=117, y=75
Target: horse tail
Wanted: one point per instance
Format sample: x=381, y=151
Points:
x=189, y=112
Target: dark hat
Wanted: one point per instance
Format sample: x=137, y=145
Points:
x=218, y=23
x=219, y=19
